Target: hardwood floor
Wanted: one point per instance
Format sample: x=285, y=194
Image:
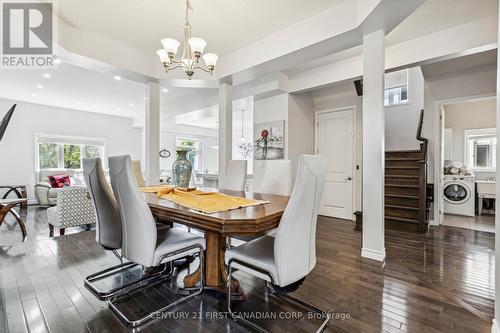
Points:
x=439, y=282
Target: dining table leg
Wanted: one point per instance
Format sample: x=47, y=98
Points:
x=215, y=269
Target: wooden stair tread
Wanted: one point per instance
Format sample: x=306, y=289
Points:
x=404, y=151
x=404, y=196
x=402, y=176
x=403, y=159
x=401, y=207
x=402, y=185
x=400, y=219
x=411, y=167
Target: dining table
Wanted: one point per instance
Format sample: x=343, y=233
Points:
x=244, y=221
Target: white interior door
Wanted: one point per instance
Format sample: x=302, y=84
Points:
x=335, y=141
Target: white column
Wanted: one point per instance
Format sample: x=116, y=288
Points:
x=152, y=134
x=496, y=325
x=225, y=129
x=373, y=146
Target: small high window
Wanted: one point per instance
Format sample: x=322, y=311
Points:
x=480, y=149
x=396, y=88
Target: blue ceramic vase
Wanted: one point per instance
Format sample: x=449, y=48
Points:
x=181, y=169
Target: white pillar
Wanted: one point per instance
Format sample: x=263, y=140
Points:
x=152, y=134
x=225, y=129
x=373, y=146
x=496, y=325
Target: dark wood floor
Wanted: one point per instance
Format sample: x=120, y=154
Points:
x=439, y=282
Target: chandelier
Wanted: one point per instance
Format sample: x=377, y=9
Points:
x=193, y=48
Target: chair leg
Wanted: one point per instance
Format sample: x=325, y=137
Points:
x=51, y=230
x=308, y=306
x=286, y=298
x=61, y=231
x=106, y=294
x=135, y=323
x=236, y=317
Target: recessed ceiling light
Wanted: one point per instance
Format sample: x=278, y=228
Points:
x=39, y=86
x=117, y=109
x=79, y=103
x=46, y=75
x=34, y=95
x=131, y=104
x=117, y=77
x=165, y=90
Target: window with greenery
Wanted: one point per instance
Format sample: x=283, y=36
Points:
x=67, y=152
x=480, y=149
x=194, y=154
x=49, y=155
x=396, y=88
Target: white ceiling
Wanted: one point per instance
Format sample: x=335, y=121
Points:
x=225, y=24
x=436, y=15
x=77, y=88
x=74, y=88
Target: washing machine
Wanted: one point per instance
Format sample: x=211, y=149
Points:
x=459, y=194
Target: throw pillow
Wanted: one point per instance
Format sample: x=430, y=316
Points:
x=59, y=181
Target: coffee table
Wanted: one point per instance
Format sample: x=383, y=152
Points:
x=19, y=190
x=6, y=206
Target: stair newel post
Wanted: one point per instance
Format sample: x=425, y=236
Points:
x=422, y=195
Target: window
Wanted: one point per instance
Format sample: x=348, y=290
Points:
x=480, y=149
x=65, y=151
x=396, y=88
x=194, y=154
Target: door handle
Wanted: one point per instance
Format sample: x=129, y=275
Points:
x=348, y=178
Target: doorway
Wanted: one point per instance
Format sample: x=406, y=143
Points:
x=468, y=163
x=335, y=140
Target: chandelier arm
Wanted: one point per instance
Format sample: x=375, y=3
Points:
x=202, y=68
x=177, y=66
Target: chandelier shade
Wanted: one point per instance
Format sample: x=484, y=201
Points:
x=193, y=48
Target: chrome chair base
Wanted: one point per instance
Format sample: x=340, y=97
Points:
x=106, y=294
x=284, y=297
x=112, y=303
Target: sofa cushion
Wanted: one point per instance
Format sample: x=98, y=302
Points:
x=54, y=191
x=59, y=181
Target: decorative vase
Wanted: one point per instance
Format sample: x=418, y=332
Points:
x=181, y=169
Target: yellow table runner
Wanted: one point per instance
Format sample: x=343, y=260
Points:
x=205, y=202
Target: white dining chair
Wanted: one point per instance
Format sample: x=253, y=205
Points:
x=277, y=178
x=137, y=169
x=285, y=261
x=236, y=176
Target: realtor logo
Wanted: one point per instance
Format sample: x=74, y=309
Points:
x=27, y=35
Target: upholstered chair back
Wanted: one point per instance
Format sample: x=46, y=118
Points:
x=277, y=178
x=139, y=228
x=295, y=242
x=109, y=225
x=236, y=175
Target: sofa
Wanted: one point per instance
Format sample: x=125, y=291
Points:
x=44, y=193
x=74, y=208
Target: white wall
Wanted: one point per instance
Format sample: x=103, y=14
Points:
x=444, y=89
x=207, y=137
x=17, y=149
x=265, y=110
x=401, y=121
x=300, y=127
x=340, y=96
x=468, y=115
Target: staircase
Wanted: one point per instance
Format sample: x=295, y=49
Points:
x=407, y=205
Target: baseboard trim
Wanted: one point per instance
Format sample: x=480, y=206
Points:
x=495, y=328
x=374, y=255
